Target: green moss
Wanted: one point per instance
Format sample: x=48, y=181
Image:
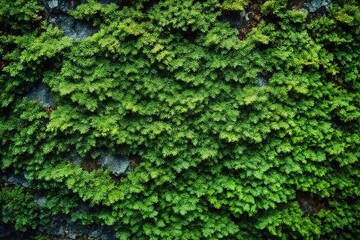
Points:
x=223, y=133
x=234, y=5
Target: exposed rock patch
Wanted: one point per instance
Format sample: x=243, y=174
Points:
x=72, y=28
x=63, y=226
x=59, y=6
x=58, y=16
x=40, y=200
x=42, y=94
x=118, y=165
x=262, y=80
x=317, y=5
x=75, y=158
x=16, y=180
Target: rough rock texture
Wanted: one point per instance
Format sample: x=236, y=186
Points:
x=315, y=5
x=75, y=158
x=118, y=165
x=71, y=27
x=42, y=94
x=17, y=180
x=63, y=226
x=53, y=4
x=262, y=80
x=57, y=6
x=40, y=200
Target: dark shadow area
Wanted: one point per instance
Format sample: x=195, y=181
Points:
x=310, y=204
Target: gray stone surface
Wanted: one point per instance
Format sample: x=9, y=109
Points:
x=315, y=5
x=262, y=80
x=63, y=226
x=58, y=16
x=42, y=94
x=118, y=165
x=75, y=158
x=58, y=5
x=17, y=180
x=40, y=200
x=53, y=4
x=72, y=28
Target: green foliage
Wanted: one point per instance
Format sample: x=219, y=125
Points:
x=234, y=5
x=222, y=132
x=189, y=16
x=19, y=208
x=273, y=7
x=288, y=222
x=94, y=11
x=19, y=15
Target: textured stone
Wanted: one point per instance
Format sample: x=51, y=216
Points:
x=262, y=80
x=72, y=28
x=316, y=5
x=53, y=4
x=118, y=165
x=63, y=226
x=42, y=94
x=17, y=180
x=40, y=200
x=58, y=16
x=75, y=158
